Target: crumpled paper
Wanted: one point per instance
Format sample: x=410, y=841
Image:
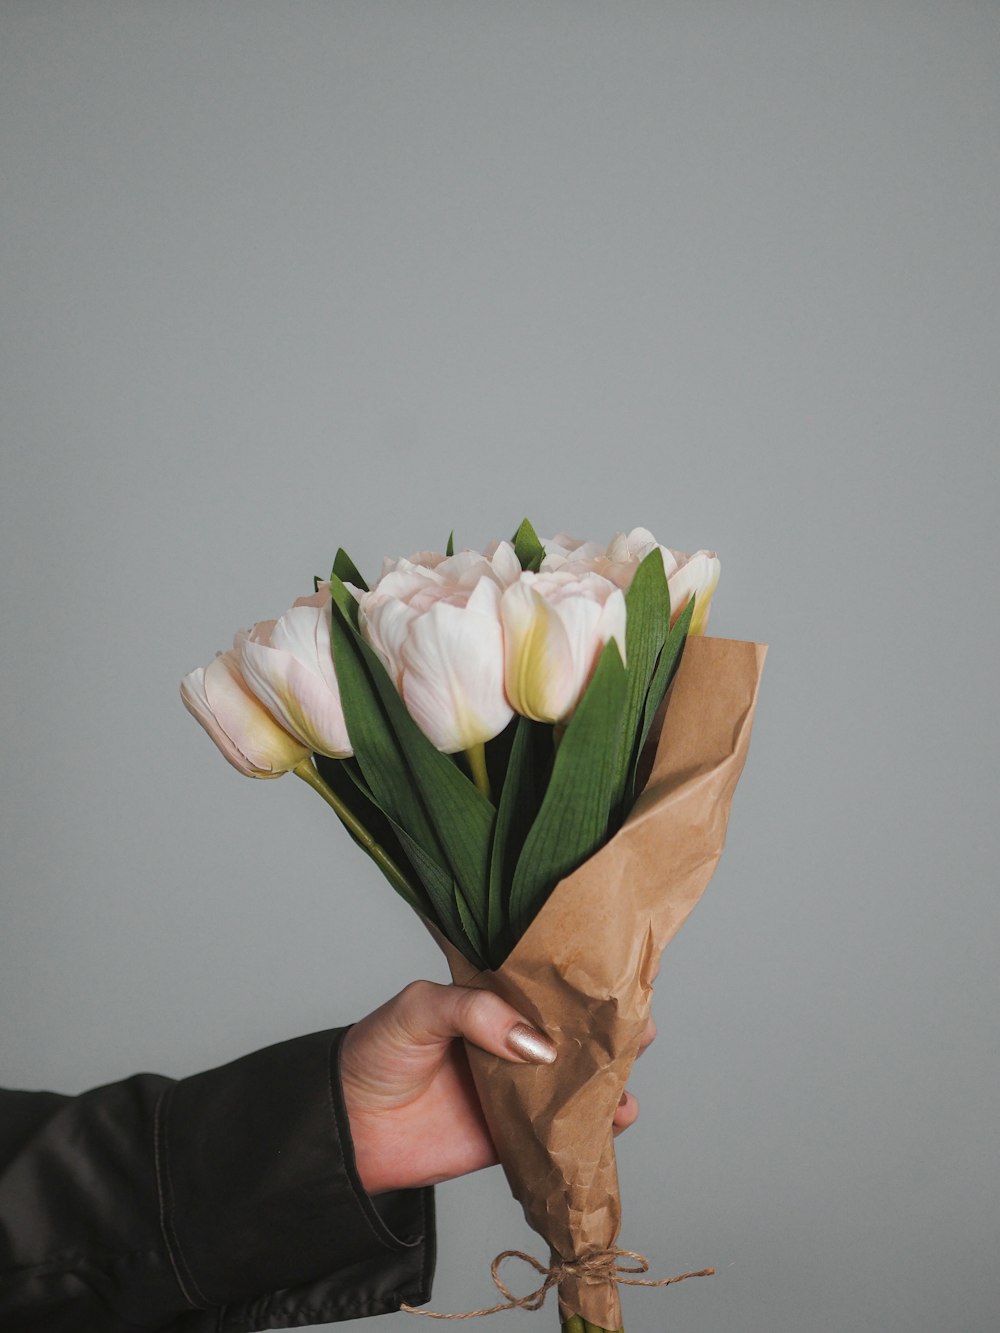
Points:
x=583, y=972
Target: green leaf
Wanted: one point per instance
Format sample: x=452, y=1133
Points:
x=450, y=548
x=446, y=895
x=345, y=569
x=666, y=668
x=380, y=760
x=528, y=548
x=472, y=931
x=347, y=604
x=461, y=818
x=527, y=773
x=573, y=820
x=343, y=779
x=647, y=624
x=352, y=771
x=498, y=755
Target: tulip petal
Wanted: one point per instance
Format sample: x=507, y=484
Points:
x=506, y=566
x=385, y=625
x=195, y=700
x=304, y=632
x=698, y=577
x=580, y=619
x=612, y=622
x=246, y=734
x=452, y=680
x=464, y=568
x=299, y=698
x=403, y=582
x=538, y=659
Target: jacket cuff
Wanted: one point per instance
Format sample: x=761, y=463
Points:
x=260, y=1198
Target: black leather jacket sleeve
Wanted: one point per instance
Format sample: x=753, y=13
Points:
x=222, y=1203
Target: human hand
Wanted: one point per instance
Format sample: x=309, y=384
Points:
x=414, y=1112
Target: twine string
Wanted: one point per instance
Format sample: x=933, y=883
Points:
x=604, y=1266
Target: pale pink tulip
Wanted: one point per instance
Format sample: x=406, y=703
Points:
x=421, y=559
x=437, y=630
x=563, y=548
x=464, y=569
x=697, y=576
x=556, y=624
x=246, y=733
x=288, y=664
x=687, y=575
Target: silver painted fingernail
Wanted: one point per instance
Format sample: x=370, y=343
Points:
x=529, y=1044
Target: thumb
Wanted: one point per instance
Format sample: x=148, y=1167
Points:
x=432, y=1015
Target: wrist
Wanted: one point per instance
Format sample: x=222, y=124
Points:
x=375, y=1142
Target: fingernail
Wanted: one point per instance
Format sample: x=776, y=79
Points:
x=529, y=1044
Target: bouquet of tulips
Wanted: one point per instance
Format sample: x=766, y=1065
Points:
x=512, y=736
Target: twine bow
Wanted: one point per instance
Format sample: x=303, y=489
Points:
x=604, y=1266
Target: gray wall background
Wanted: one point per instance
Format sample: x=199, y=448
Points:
x=282, y=276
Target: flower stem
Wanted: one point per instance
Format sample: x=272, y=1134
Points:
x=476, y=755
x=308, y=773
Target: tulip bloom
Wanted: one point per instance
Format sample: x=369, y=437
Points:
x=555, y=627
x=698, y=577
x=288, y=664
x=248, y=736
x=464, y=569
x=687, y=575
x=562, y=549
x=437, y=631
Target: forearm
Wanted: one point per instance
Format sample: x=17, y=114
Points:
x=163, y=1203
x=80, y=1239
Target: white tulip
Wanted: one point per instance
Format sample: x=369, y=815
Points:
x=421, y=559
x=696, y=576
x=556, y=624
x=288, y=663
x=465, y=567
x=687, y=575
x=437, y=630
x=248, y=736
x=562, y=549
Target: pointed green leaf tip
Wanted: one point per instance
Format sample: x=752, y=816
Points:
x=347, y=571
x=450, y=548
x=528, y=548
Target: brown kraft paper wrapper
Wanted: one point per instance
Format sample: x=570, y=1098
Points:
x=583, y=972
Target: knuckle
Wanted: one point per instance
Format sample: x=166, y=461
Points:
x=416, y=1010
x=414, y=996
x=473, y=1008
x=488, y=1018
